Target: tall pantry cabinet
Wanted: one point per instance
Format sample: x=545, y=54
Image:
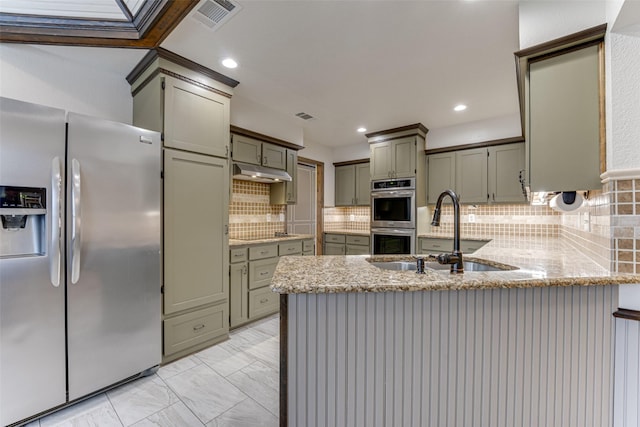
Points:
x=189, y=105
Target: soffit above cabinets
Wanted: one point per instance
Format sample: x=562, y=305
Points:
x=126, y=23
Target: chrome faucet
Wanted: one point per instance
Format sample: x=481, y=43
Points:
x=454, y=258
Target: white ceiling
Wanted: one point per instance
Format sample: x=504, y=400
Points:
x=378, y=64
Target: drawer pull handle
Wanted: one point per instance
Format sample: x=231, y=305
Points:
x=263, y=300
x=264, y=273
x=436, y=246
x=264, y=252
x=198, y=327
x=238, y=255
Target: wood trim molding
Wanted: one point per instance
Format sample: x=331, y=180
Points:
x=149, y=28
x=491, y=143
x=623, y=313
x=159, y=52
x=265, y=138
x=319, y=199
x=564, y=42
x=284, y=359
x=416, y=126
x=352, y=162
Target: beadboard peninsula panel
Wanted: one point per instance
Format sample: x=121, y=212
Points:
x=627, y=374
x=501, y=357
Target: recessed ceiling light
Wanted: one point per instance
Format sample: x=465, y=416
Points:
x=229, y=63
x=361, y=129
x=460, y=107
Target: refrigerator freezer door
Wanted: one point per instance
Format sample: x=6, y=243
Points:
x=32, y=335
x=113, y=301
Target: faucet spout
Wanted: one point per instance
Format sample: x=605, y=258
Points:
x=455, y=259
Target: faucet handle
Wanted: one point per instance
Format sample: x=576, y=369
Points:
x=449, y=258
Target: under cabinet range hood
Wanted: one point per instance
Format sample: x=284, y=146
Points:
x=249, y=172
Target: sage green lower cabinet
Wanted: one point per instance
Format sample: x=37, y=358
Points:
x=428, y=245
x=346, y=244
x=250, y=271
x=238, y=287
x=357, y=245
x=185, y=331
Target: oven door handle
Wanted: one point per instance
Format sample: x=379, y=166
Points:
x=387, y=194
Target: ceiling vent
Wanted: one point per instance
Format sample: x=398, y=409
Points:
x=304, y=116
x=214, y=13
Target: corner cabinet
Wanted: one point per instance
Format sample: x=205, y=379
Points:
x=352, y=184
x=189, y=104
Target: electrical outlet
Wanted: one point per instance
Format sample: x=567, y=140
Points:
x=352, y=218
x=281, y=217
x=472, y=217
x=268, y=217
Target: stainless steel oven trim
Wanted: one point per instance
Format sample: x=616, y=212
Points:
x=395, y=194
x=394, y=232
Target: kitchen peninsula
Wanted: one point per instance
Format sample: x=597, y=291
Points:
x=361, y=345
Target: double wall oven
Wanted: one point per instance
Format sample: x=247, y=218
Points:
x=393, y=216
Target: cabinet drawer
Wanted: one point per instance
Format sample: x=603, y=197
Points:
x=237, y=255
x=308, y=245
x=290, y=248
x=263, y=302
x=334, y=238
x=357, y=250
x=334, y=248
x=436, y=245
x=261, y=272
x=468, y=246
x=308, y=253
x=358, y=240
x=187, y=330
x=261, y=252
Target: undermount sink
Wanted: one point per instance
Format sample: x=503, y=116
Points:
x=411, y=266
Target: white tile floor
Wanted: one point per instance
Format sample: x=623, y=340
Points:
x=234, y=383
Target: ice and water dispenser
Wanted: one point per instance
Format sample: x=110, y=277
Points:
x=23, y=213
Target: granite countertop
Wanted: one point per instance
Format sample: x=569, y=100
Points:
x=540, y=262
x=235, y=243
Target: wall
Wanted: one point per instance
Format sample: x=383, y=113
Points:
x=80, y=79
x=478, y=131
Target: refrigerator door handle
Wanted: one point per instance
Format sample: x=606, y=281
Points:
x=56, y=222
x=76, y=219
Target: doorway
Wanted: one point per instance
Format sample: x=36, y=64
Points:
x=305, y=217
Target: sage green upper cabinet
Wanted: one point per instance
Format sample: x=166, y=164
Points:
x=274, y=156
x=352, y=185
x=506, y=168
x=246, y=150
x=195, y=119
x=478, y=175
x=564, y=133
x=286, y=193
x=441, y=174
x=471, y=175
x=561, y=87
x=256, y=152
x=394, y=158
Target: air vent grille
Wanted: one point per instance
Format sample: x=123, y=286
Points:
x=304, y=116
x=214, y=13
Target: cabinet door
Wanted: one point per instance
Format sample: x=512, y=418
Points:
x=345, y=185
x=274, y=156
x=238, y=294
x=441, y=175
x=471, y=175
x=246, y=150
x=506, y=163
x=564, y=117
x=195, y=119
x=291, y=187
x=404, y=157
x=334, y=248
x=196, y=255
x=380, y=160
x=363, y=184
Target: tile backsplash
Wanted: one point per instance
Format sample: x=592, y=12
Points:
x=349, y=218
x=251, y=216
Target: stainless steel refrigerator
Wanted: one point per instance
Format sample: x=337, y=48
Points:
x=80, y=289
